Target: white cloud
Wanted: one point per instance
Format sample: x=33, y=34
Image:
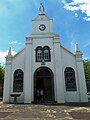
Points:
x=82, y=5
x=76, y=15
x=86, y=18
x=14, y=42
x=63, y=1
x=87, y=44
x=3, y=55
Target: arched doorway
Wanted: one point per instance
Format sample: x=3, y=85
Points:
x=44, y=80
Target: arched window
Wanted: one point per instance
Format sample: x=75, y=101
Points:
x=70, y=80
x=18, y=81
x=39, y=54
x=46, y=53
x=43, y=54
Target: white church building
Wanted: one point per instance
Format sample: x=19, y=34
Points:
x=44, y=64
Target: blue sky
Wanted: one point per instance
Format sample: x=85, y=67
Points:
x=71, y=20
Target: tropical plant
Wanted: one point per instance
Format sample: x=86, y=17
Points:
x=2, y=71
x=87, y=72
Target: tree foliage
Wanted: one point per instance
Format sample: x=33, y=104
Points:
x=87, y=73
x=87, y=69
x=2, y=71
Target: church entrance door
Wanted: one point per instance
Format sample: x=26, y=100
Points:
x=43, y=85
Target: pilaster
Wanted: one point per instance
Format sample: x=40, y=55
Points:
x=28, y=71
x=58, y=71
x=81, y=76
x=7, y=78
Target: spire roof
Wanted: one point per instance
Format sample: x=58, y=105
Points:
x=78, y=53
x=77, y=48
x=9, y=52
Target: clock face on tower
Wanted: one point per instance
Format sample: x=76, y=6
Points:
x=42, y=27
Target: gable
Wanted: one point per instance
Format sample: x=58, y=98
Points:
x=67, y=51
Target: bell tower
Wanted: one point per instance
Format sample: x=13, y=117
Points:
x=42, y=24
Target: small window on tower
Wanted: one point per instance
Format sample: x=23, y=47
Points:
x=43, y=54
x=39, y=54
x=46, y=53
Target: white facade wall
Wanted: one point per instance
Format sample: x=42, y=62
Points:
x=28, y=72
x=81, y=79
x=36, y=23
x=17, y=63
x=7, y=85
x=43, y=42
x=60, y=59
x=68, y=60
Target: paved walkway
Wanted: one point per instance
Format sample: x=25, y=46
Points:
x=44, y=111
